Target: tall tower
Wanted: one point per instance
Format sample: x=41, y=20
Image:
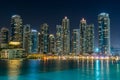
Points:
x=76, y=41
x=27, y=42
x=104, y=33
x=66, y=35
x=83, y=43
x=44, y=36
x=51, y=43
x=90, y=38
x=39, y=42
x=4, y=38
x=17, y=30
x=59, y=39
x=34, y=40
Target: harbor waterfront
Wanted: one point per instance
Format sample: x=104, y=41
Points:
x=59, y=40
x=67, y=57
x=67, y=69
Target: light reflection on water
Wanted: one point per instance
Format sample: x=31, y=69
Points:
x=13, y=69
x=59, y=70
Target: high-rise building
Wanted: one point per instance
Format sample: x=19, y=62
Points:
x=17, y=30
x=51, y=43
x=44, y=36
x=59, y=39
x=104, y=33
x=4, y=38
x=34, y=40
x=76, y=41
x=66, y=35
x=90, y=38
x=83, y=43
x=39, y=42
x=27, y=42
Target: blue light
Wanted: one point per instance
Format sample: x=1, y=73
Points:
x=97, y=50
x=34, y=30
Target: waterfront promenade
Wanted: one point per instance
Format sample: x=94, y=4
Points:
x=66, y=57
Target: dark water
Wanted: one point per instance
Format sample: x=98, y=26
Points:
x=59, y=70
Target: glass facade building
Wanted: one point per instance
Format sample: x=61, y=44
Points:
x=59, y=39
x=34, y=40
x=83, y=43
x=66, y=35
x=104, y=33
x=44, y=38
x=4, y=38
x=90, y=38
x=27, y=42
x=76, y=41
x=17, y=30
x=52, y=43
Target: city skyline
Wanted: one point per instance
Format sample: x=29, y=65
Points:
x=18, y=20
x=59, y=39
x=81, y=42
x=35, y=13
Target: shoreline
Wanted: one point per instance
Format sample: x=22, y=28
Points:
x=46, y=57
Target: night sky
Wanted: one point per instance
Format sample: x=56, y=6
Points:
x=36, y=12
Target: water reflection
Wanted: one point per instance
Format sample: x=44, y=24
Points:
x=118, y=68
x=33, y=66
x=102, y=68
x=13, y=69
x=97, y=66
x=59, y=69
x=107, y=69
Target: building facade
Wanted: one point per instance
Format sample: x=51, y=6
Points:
x=44, y=38
x=4, y=38
x=59, y=39
x=104, y=33
x=27, y=42
x=90, y=38
x=17, y=30
x=83, y=43
x=34, y=41
x=52, y=44
x=66, y=35
x=76, y=41
x=12, y=53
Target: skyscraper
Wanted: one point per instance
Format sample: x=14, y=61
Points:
x=44, y=36
x=59, y=39
x=39, y=42
x=27, y=42
x=17, y=30
x=34, y=40
x=83, y=43
x=104, y=33
x=90, y=38
x=4, y=38
x=51, y=43
x=66, y=35
x=76, y=41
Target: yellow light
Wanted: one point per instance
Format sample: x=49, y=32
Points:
x=83, y=57
x=106, y=57
x=117, y=58
x=14, y=43
x=44, y=58
x=92, y=57
x=87, y=57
